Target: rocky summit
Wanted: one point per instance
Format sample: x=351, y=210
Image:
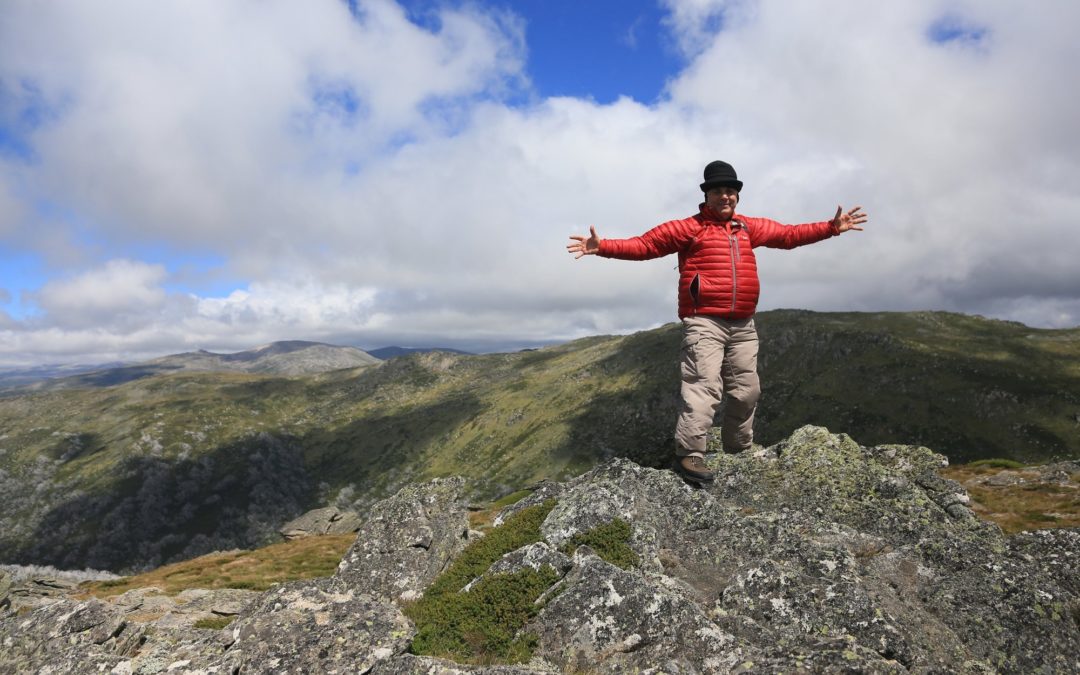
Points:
x=814, y=554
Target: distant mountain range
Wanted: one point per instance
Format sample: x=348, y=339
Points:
x=287, y=357
x=292, y=357
x=178, y=462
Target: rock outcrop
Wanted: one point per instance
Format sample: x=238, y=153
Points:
x=407, y=540
x=816, y=553
x=327, y=520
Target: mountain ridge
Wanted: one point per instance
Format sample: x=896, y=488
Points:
x=283, y=357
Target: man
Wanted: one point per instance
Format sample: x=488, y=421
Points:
x=718, y=295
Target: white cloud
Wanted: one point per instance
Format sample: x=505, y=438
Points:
x=369, y=182
x=199, y=120
x=122, y=288
x=944, y=143
x=695, y=23
x=123, y=311
x=306, y=306
x=120, y=294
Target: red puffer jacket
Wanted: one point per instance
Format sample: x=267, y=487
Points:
x=717, y=269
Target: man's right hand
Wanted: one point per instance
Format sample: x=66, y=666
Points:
x=584, y=245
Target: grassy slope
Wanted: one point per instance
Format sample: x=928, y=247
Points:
x=965, y=386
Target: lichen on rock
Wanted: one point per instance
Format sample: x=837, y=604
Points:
x=316, y=625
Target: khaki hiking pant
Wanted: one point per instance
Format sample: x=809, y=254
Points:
x=718, y=357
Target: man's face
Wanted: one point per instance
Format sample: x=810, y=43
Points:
x=722, y=200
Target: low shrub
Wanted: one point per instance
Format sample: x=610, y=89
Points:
x=611, y=541
x=518, y=530
x=481, y=625
x=481, y=518
x=997, y=463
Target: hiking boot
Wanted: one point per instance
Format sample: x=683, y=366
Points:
x=693, y=468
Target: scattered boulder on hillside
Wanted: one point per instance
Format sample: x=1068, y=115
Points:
x=327, y=520
x=1059, y=472
x=1056, y=473
x=816, y=553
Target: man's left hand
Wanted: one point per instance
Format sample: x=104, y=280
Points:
x=850, y=220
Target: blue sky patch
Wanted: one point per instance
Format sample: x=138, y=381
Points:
x=24, y=108
x=952, y=29
x=20, y=271
x=14, y=144
x=598, y=49
x=201, y=273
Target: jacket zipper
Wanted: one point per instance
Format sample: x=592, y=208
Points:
x=733, y=242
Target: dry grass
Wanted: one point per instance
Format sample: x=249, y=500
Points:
x=256, y=570
x=1028, y=504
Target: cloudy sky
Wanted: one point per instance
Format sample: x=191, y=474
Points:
x=218, y=174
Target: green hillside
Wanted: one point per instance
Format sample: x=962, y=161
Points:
x=173, y=466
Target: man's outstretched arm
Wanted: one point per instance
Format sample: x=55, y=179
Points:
x=584, y=245
x=765, y=232
x=661, y=240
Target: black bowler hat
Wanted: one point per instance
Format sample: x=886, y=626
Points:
x=720, y=174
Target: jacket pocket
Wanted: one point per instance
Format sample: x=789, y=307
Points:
x=695, y=289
